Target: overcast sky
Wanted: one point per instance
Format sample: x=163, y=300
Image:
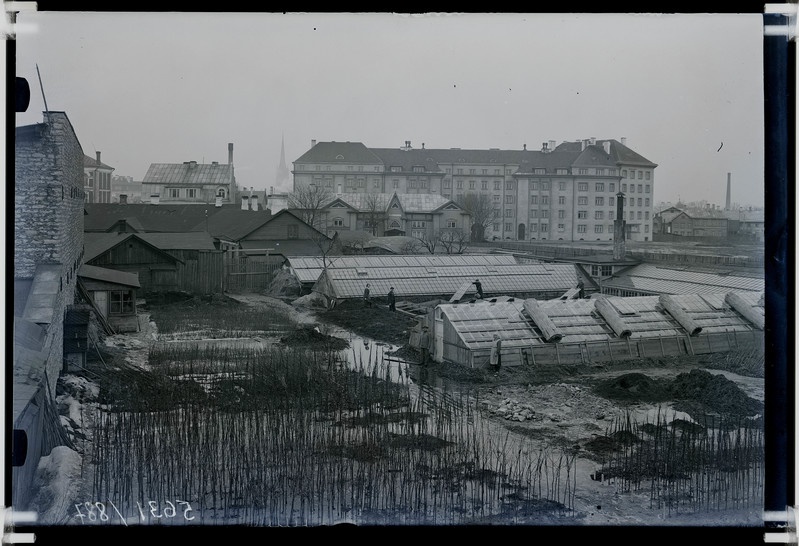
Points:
x=686, y=90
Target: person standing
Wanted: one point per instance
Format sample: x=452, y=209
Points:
x=424, y=345
x=392, y=300
x=496, y=353
x=367, y=301
x=479, y=286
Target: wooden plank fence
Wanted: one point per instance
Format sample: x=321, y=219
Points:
x=248, y=274
x=609, y=350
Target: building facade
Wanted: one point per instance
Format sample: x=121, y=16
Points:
x=96, y=180
x=692, y=222
x=560, y=192
x=191, y=182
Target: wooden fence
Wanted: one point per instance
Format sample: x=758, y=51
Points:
x=609, y=350
x=250, y=274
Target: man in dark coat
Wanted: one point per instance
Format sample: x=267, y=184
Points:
x=424, y=345
x=367, y=301
x=391, y=300
x=478, y=285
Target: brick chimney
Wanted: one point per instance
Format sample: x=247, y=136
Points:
x=230, y=153
x=98, y=159
x=245, y=202
x=123, y=199
x=619, y=227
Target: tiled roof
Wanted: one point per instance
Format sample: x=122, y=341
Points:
x=188, y=173
x=152, y=218
x=109, y=275
x=476, y=323
x=339, y=152
x=663, y=280
x=233, y=223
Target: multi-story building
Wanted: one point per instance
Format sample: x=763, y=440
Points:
x=191, y=182
x=96, y=180
x=692, y=222
x=565, y=192
x=125, y=190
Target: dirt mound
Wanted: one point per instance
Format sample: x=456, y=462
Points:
x=284, y=285
x=310, y=336
x=375, y=322
x=696, y=392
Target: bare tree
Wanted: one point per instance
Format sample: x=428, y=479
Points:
x=454, y=241
x=411, y=246
x=430, y=243
x=482, y=212
x=307, y=201
x=375, y=209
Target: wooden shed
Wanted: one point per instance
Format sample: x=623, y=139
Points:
x=113, y=295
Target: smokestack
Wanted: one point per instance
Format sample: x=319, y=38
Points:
x=729, y=182
x=230, y=153
x=98, y=159
x=619, y=247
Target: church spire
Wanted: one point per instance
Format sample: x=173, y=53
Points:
x=283, y=176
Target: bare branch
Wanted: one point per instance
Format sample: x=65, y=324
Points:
x=307, y=201
x=482, y=211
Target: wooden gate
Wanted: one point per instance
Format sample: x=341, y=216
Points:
x=249, y=273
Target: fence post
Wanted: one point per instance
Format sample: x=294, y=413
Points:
x=557, y=353
x=610, y=349
x=690, y=345
x=662, y=350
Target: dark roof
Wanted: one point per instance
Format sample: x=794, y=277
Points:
x=188, y=172
x=288, y=247
x=197, y=240
x=654, y=279
x=109, y=275
x=342, y=152
x=95, y=244
x=233, y=223
x=618, y=152
x=92, y=162
x=278, y=215
x=151, y=218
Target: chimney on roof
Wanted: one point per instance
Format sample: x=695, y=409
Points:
x=584, y=144
x=422, y=145
x=123, y=199
x=524, y=147
x=230, y=153
x=313, y=142
x=245, y=202
x=544, y=147
x=606, y=145
x=254, y=201
x=593, y=141
x=98, y=159
x=619, y=228
x=551, y=145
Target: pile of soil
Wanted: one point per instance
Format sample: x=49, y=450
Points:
x=284, y=285
x=375, y=322
x=311, y=337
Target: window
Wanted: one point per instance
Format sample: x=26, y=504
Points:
x=452, y=224
x=495, y=227
x=646, y=201
x=447, y=183
x=448, y=170
x=508, y=226
x=624, y=173
x=582, y=228
x=599, y=201
x=395, y=169
x=418, y=169
x=484, y=184
x=459, y=184
x=646, y=228
x=647, y=175
x=545, y=185
x=599, y=228
x=509, y=199
x=544, y=199
x=599, y=214
x=561, y=185
x=497, y=185
x=648, y=188
x=640, y=189
x=496, y=171
x=472, y=171
x=582, y=200
x=508, y=171
x=508, y=213
x=561, y=200
x=174, y=193
x=632, y=215
x=612, y=201
x=612, y=172
x=361, y=182
x=534, y=186
x=497, y=198
x=544, y=227
x=418, y=233
x=624, y=188
x=600, y=186
x=459, y=171
x=545, y=213
x=646, y=215
x=612, y=187
x=639, y=202
x=534, y=213
x=632, y=188
x=540, y=171
x=418, y=224
x=191, y=193
x=533, y=199
x=611, y=215
x=471, y=184
x=533, y=227
x=561, y=213
x=509, y=185
x=121, y=302
x=293, y=231
x=600, y=172
x=639, y=214
x=561, y=227
x=582, y=214
x=484, y=171
x=582, y=171
x=582, y=186
x=395, y=183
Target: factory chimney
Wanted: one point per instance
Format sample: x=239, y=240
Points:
x=729, y=191
x=619, y=228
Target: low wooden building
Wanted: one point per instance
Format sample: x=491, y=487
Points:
x=113, y=296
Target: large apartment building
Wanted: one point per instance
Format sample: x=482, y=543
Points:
x=561, y=192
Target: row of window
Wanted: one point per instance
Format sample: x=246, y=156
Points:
x=599, y=171
x=581, y=228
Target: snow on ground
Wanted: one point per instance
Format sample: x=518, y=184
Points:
x=58, y=486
